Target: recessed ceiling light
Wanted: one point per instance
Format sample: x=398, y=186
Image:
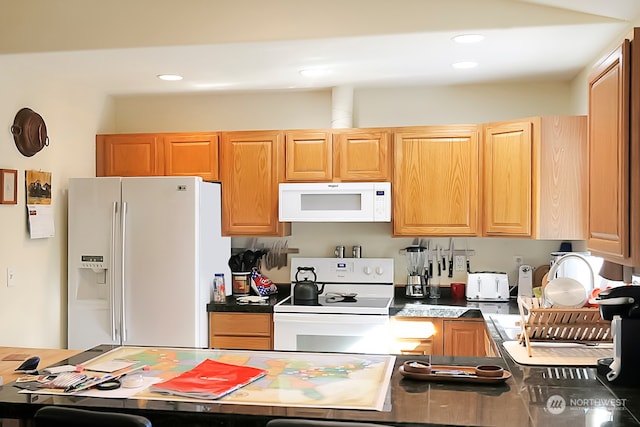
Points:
x=468, y=38
x=170, y=77
x=314, y=72
x=465, y=64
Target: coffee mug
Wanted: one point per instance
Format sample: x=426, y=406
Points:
x=457, y=290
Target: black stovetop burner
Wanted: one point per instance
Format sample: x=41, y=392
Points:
x=340, y=298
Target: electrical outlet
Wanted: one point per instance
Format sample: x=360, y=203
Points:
x=519, y=260
x=459, y=263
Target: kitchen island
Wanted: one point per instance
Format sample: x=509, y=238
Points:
x=537, y=396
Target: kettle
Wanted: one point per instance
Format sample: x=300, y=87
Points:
x=305, y=290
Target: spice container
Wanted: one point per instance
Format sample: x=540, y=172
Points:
x=241, y=283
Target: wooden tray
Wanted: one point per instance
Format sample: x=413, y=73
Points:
x=467, y=375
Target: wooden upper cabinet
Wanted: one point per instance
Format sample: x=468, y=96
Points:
x=507, y=178
x=535, y=178
x=435, y=181
x=337, y=155
x=152, y=154
x=308, y=156
x=129, y=155
x=191, y=155
x=251, y=166
x=609, y=96
x=362, y=155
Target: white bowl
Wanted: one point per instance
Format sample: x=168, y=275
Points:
x=564, y=292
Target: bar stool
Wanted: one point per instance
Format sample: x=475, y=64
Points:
x=59, y=416
x=285, y=422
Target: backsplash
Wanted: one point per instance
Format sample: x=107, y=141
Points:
x=491, y=254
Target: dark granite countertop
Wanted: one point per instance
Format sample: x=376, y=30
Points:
x=445, y=306
x=534, y=396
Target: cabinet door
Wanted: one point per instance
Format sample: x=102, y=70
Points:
x=248, y=331
x=416, y=335
x=362, y=156
x=308, y=156
x=608, y=156
x=191, y=155
x=250, y=169
x=464, y=338
x=507, y=179
x=128, y=155
x=435, y=181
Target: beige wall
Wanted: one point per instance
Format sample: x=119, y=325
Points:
x=33, y=312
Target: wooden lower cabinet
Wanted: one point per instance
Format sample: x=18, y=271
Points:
x=241, y=331
x=416, y=335
x=464, y=337
x=440, y=336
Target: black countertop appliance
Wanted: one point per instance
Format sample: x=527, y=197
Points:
x=621, y=305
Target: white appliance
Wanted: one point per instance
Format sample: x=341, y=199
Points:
x=142, y=255
x=341, y=322
x=525, y=281
x=335, y=202
x=487, y=286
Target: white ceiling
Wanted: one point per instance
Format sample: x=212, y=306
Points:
x=534, y=40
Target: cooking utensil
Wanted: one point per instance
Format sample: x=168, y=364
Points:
x=451, y=251
x=235, y=263
x=341, y=297
x=248, y=260
x=305, y=288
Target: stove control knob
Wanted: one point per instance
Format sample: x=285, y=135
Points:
x=379, y=271
x=367, y=270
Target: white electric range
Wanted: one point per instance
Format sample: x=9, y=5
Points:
x=352, y=313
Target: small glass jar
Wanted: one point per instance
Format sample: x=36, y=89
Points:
x=218, y=292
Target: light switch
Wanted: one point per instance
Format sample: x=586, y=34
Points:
x=11, y=277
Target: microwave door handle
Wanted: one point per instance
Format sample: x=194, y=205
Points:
x=123, y=317
x=112, y=261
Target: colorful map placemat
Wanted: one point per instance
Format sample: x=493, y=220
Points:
x=317, y=380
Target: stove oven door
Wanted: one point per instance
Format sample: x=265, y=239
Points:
x=342, y=333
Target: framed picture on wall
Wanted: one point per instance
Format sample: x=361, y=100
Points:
x=9, y=185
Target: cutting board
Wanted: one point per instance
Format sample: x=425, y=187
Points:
x=568, y=354
x=539, y=273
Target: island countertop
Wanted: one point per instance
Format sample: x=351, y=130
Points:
x=531, y=397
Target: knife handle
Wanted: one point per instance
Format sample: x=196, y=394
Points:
x=451, y=267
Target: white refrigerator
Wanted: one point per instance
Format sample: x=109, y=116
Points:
x=143, y=252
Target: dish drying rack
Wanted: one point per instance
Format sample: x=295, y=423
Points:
x=561, y=325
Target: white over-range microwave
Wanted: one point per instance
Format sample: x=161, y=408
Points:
x=335, y=202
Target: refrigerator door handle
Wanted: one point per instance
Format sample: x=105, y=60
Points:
x=112, y=284
x=123, y=317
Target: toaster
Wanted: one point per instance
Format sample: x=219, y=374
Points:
x=487, y=286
